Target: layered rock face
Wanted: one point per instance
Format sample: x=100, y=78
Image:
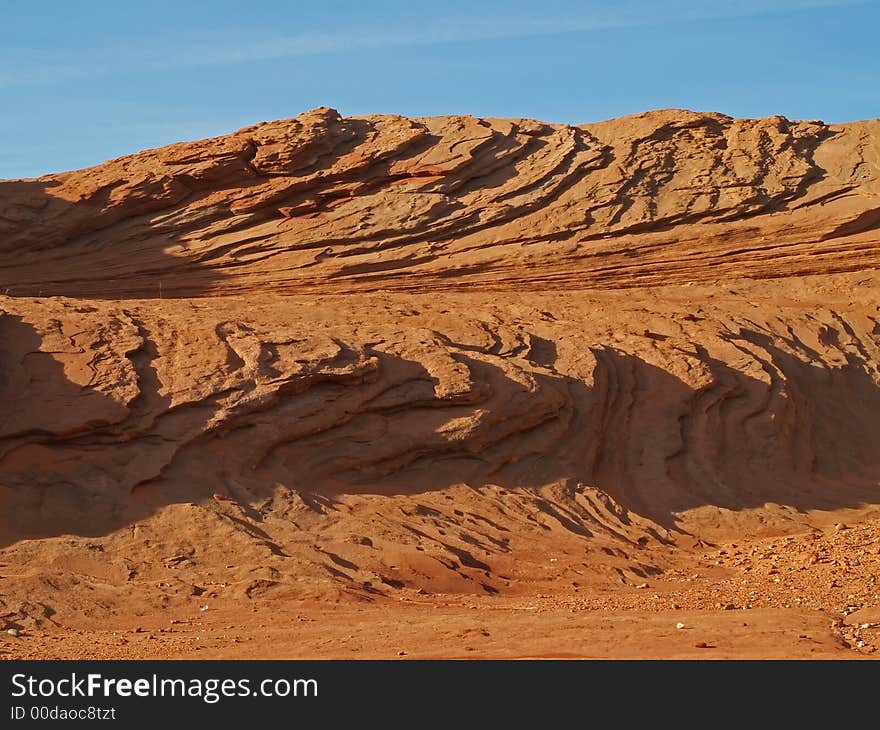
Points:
x=322, y=203
x=369, y=354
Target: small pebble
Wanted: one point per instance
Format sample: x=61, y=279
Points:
x=13, y=632
x=679, y=625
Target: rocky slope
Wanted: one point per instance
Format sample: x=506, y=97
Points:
x=323, y=203
x=360, y=359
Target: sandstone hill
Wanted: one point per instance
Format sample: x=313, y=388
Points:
x=443, y=362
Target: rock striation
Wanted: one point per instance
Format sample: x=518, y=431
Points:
x=322, y=203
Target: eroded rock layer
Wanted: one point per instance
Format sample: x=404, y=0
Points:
x=325, y=203
x=361, y=359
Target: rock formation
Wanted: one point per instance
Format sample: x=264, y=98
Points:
x=350, y=357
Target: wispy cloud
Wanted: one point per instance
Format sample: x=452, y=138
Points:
x=101, y=62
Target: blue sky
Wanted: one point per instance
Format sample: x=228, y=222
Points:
x=82, y=82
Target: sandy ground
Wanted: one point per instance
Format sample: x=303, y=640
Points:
x=806, y=596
